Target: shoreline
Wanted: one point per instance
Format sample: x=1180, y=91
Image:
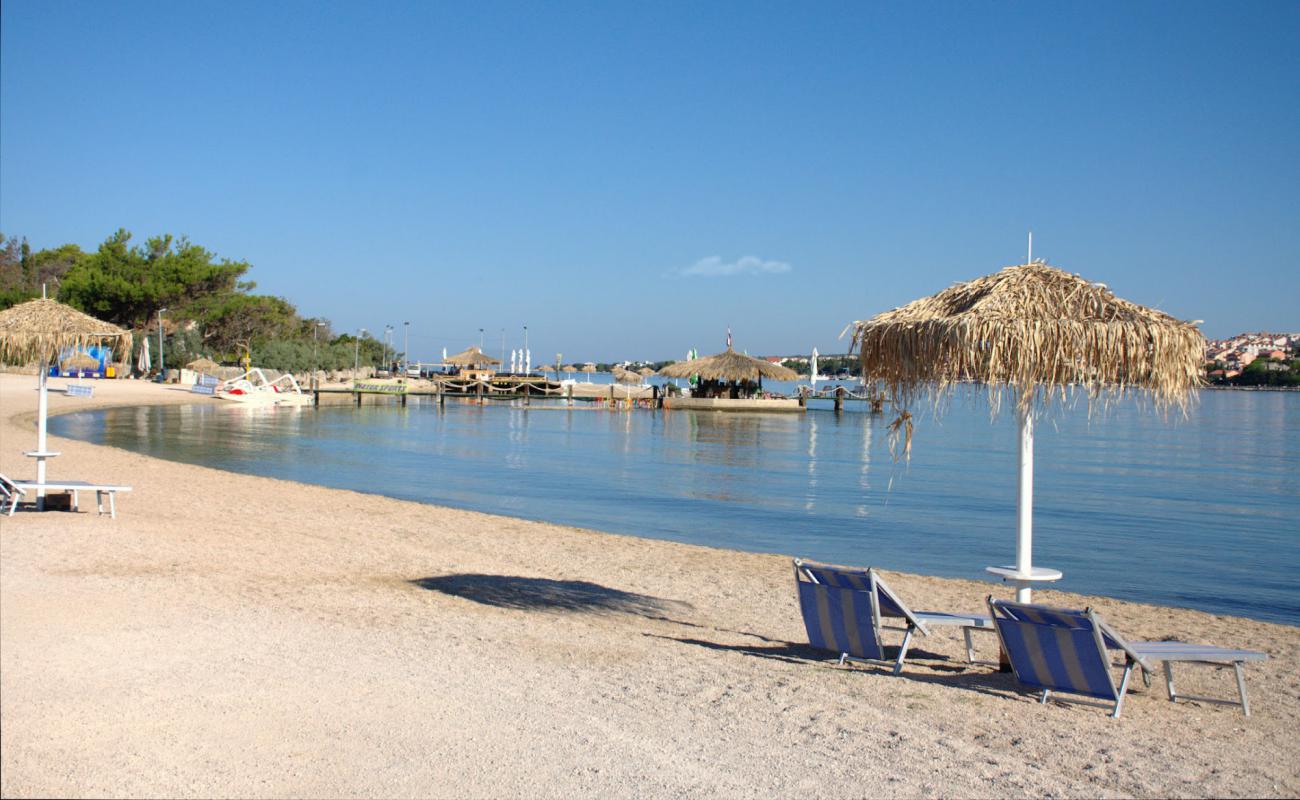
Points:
x=246, y=636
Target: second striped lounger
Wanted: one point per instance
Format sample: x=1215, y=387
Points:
x=1061, y=650
x=844, y=610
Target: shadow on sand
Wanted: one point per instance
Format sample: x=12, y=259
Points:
x=544, y=594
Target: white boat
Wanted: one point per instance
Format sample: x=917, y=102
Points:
x=255, y=389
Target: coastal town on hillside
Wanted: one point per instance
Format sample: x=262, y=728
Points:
x=1254, y=359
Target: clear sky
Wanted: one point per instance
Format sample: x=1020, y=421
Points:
x=628, y=179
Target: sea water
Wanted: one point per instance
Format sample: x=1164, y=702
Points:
x=1201, y=511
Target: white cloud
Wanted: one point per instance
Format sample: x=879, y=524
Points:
x=714, y=266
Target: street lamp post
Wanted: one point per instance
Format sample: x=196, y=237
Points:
x=315, y=349
x=526, y=354
x=356, y=354
x=406, y=349
x=503, y=348
x=162, y=364
x=388, y=342
x=480, y=340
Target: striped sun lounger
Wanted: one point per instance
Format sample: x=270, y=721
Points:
x=1066, y=651
x=844, y=609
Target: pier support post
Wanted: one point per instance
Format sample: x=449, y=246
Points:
x=356, y=396
x=803, y=396
x=839, y=399
x=478, y=390
x=569, y=391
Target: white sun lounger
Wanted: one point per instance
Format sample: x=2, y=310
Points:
x=13, y=492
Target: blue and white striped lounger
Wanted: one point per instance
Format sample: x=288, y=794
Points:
x=1063, y=650
x=844, y=609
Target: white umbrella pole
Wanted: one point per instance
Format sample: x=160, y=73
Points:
x=1025, y=507
x=42, y=414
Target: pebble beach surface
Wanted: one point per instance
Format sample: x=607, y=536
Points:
x=238, y=636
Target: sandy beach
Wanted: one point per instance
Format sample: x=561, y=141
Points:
x=238, y=636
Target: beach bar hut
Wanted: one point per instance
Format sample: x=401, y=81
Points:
x=730, y=381
x=473, y=363
x=1041, y=333
x=40, y=330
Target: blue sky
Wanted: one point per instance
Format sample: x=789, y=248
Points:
x=629, y=179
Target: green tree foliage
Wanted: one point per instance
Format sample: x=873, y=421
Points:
x=127, y=285
x=22, y=272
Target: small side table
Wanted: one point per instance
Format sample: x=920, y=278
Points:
x=41, y=456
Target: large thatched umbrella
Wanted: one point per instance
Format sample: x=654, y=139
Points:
x=473, y=357
x=729, y=366
x=1039, y=332
x=40, y=330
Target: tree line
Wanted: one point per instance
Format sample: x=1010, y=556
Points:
x=212, y=309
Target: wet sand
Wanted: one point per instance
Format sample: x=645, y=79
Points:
x=239, y=636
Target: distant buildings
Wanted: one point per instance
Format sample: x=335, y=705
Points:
x=1227, y=359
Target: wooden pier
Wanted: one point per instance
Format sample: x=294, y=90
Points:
x=528, y=388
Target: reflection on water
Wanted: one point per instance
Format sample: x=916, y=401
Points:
x=1211, y=496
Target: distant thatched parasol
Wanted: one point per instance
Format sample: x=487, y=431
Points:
x=645, y=372
x=473, y=357
x=40, y=330
x=728, y=366
x=1040, y=332
x=588, y=367
x=568, y=368
x=203, y=364
x=629, y=377
x=79, y=361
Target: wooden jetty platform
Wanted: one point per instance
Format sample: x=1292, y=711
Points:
x=528, y=388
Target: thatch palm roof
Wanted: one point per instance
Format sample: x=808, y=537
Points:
x=203, y=364
x=728, y=366
x=589, y=367
x=568, y=368
x=628, y=377
x=645, y=372
x=79, y=360
x=41, y=329
x=473, y=357
x=1029, y=327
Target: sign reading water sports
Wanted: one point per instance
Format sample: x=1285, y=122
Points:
x=379, y=387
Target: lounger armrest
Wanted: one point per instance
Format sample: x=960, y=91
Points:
x=1188, y=651
x=964, y=620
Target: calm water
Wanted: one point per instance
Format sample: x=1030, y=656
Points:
x=1201, y=512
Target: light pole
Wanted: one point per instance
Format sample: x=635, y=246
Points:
x=162, y=365
x=503, y=348
x=406, y=349
x=526, y=358
x=388, y=342
x=315, y=350
x=356, y=354
x=480, y=340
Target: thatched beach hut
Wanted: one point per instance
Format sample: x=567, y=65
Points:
x=472, y=363
x=730, y=381
x=1041, y=333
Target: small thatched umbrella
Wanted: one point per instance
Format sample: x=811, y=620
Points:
x=79, y=360
x=629, y=377
x=473, y=357
x=1040, y=332
x=203, y=364
x=41, y=329
x=645, y=372
x=589, y=368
